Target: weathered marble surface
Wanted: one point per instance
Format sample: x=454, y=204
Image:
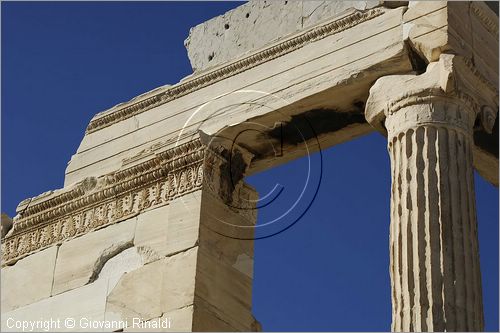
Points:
x=87, y=302
x=148, y=292
x=429, y=118
x=164, y=264
x=124, y=289
x=329, y=69
x=29, y=281
x=80, y=260
x=225, y=38
x=137, y=231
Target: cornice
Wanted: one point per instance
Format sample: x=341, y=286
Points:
x=98, y=202
x=217, y=74
x=149, y=179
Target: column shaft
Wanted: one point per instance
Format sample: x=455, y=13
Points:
x=435, y=275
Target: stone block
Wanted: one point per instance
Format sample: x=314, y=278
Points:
x=220, y=232
x=205, y=320
x=225, y=38
x=179, y=280
x=151, y=232
x=179, y=320
x=156, y=288
x=344, y=63
x=183, y=222
x=85, y=305
x=437, y=27
x=29, y=280
x=137, y=294
x=124, y=262
x=316, y=11
x=225, y=290
x=80, y=260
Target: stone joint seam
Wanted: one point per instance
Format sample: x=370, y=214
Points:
x=234, y=68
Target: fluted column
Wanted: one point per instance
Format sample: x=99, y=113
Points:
x=433, y=238
x=434, y=266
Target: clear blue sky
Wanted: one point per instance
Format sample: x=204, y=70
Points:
x=64, y=62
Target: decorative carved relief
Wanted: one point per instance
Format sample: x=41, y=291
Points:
x=197, y=82
x=486, y=17
x=98, y=202
x=452, y=80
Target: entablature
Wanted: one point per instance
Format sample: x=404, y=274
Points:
x=131, y=153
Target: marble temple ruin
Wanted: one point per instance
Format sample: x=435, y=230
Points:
x=156, y=222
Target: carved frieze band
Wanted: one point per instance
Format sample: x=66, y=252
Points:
x=487, y=20
x=96, y=203
x=234, y=68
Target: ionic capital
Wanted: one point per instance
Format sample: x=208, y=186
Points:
x=450, y=93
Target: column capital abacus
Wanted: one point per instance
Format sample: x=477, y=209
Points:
x=450, y=93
